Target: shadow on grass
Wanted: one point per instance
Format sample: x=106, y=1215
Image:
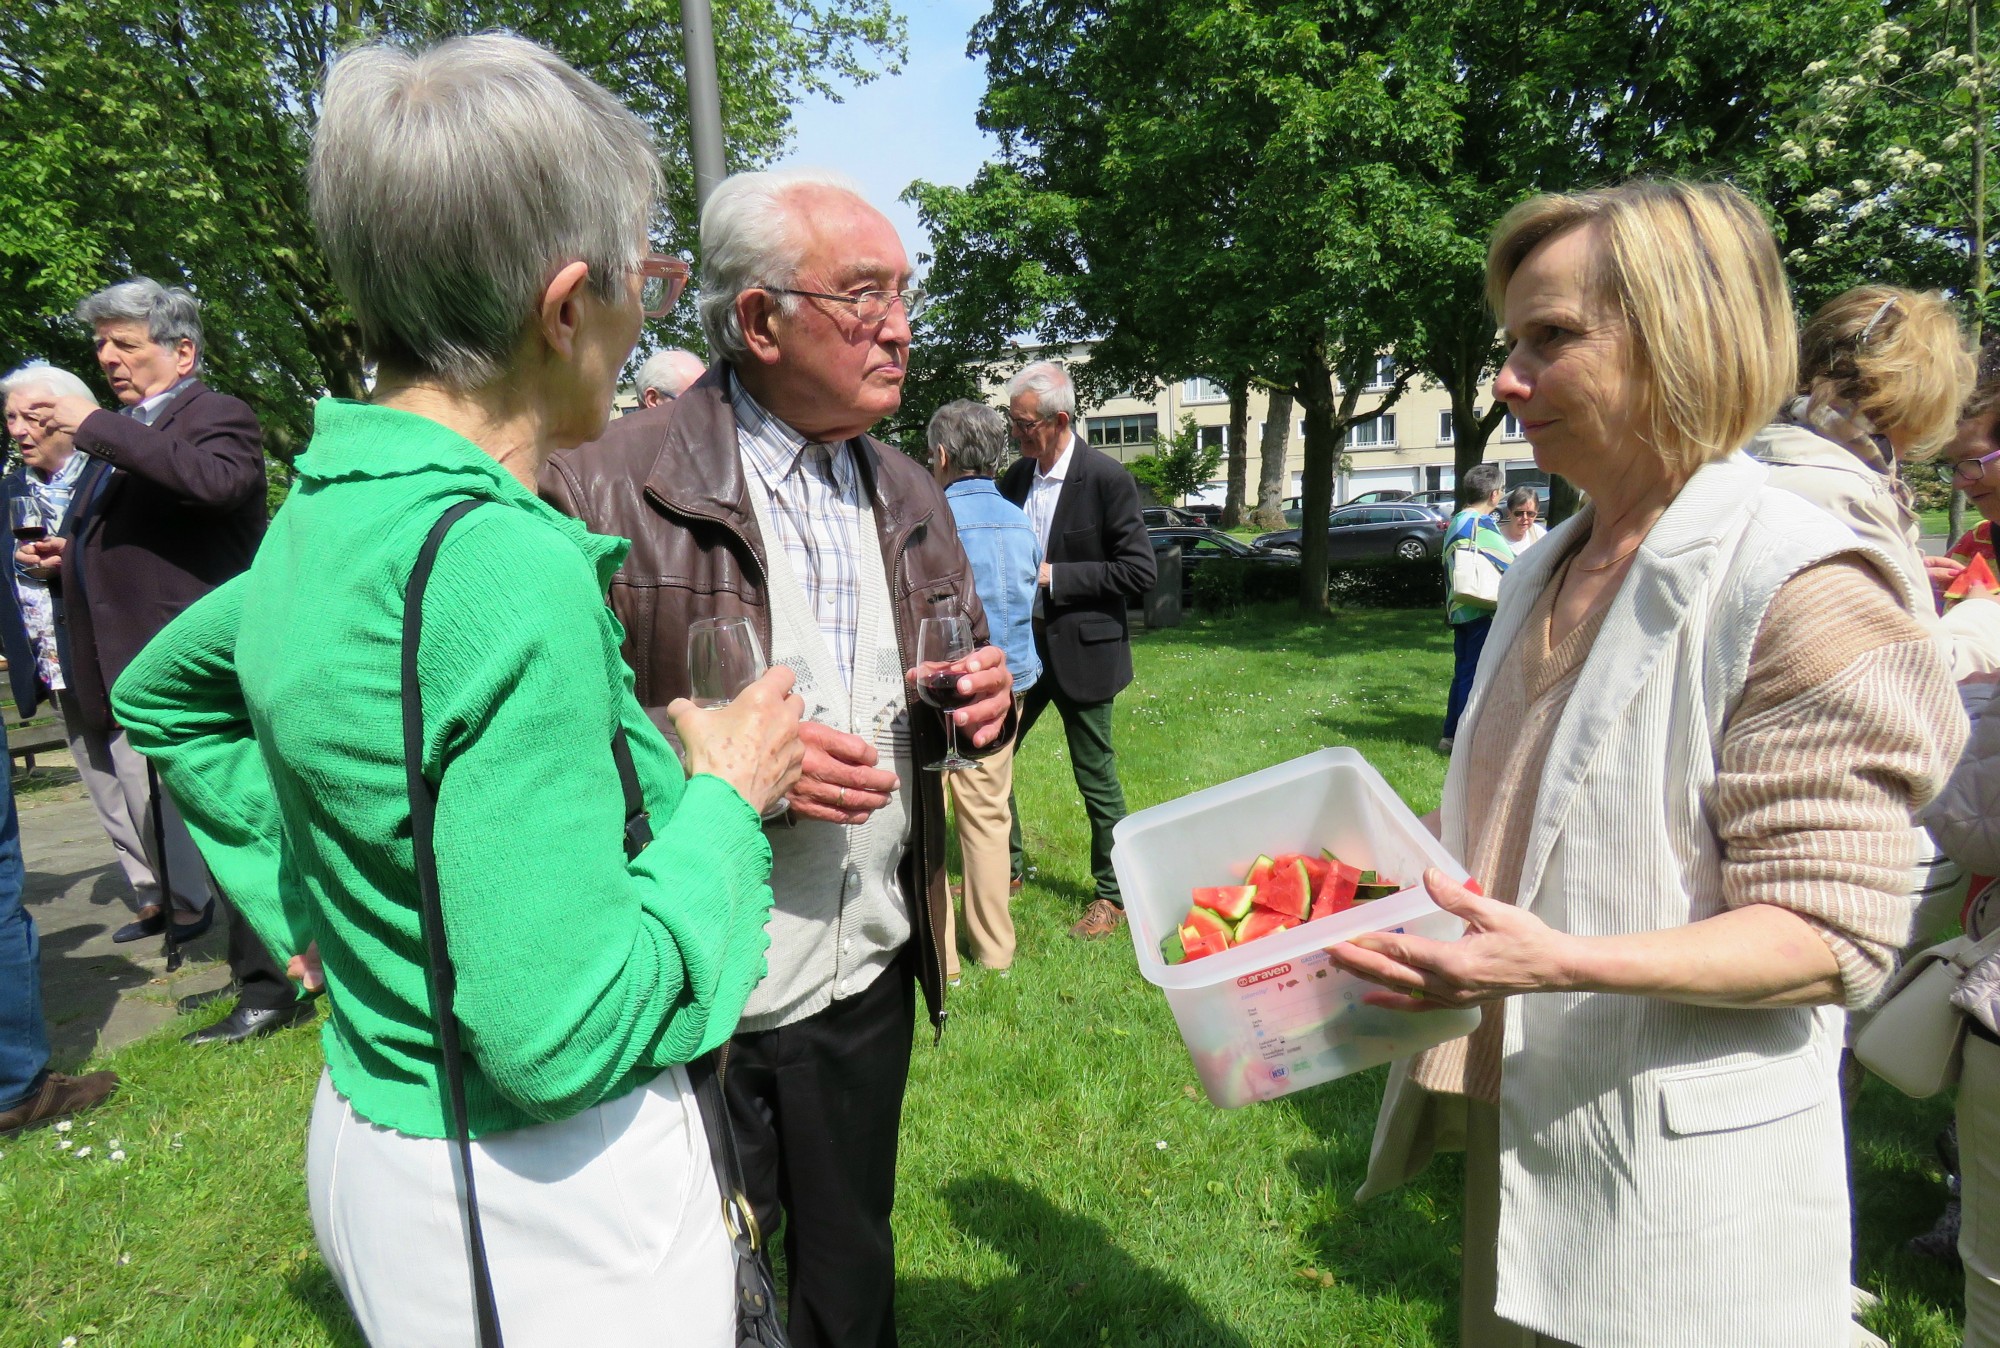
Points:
x=313, y=1287
x=1403, y=1243
x=1072, y=1284
x=79, y=992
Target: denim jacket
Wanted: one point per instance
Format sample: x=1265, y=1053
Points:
x=1006, y=565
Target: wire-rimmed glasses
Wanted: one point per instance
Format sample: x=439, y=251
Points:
x=870, y=306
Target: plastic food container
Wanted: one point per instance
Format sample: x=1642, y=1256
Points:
x=1275, y=1016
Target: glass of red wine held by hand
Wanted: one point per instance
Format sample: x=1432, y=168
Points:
x=26, y=518
x=943, y=644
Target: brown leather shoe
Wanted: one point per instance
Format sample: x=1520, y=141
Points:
x=1100, y=919
x=59, y=1097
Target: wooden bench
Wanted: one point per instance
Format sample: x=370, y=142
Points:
x=42, y=735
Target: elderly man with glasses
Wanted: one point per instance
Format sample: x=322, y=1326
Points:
x=170, y=506
x=764, y=497
x=1096, y=558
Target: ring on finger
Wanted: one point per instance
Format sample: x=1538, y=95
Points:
x=840, y=799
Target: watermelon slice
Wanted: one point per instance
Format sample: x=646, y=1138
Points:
x=1232, y=902
x=1263, y=922
x=1259, y=868
x=1371, y=886
x=1171, y=949
x=1205, y=933
x=1286, y=890
x=1341, y=879
x=1977, y=579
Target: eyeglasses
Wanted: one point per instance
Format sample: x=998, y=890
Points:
x=1025, y=424
x=664, y=280
x=1967, y=470
x=870, y=306
x=1525, y=514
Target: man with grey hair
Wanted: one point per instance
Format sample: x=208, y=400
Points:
x=763, y=497
x=666, y=375
x=968, y=443
x=1096, y=558
x=171, y=506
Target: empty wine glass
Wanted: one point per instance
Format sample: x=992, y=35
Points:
x=724, y=658
x=941, y=644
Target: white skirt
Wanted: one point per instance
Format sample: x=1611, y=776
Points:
x=602, y=1229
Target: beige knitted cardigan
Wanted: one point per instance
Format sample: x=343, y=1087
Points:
x=1802, y=832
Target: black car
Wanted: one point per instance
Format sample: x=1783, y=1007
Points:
x=1381, y=496
x=1200, y=547
x=1357, y=532
x=1169, y=517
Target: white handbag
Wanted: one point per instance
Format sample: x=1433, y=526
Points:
x=1473, y=578
x=1913, y=1040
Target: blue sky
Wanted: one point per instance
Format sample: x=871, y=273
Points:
x=919, y=124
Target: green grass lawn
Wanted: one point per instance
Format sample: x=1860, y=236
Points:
x=1063, y=1182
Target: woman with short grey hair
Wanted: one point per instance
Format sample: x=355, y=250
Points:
x=484, y=209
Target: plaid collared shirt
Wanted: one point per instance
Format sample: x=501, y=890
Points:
x=814, y=493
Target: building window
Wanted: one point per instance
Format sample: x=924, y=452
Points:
x=1510, y=428
x=1198, y=390
x=1373, y=433
x=1385, y=372
x=1447, y=428
x=1211, y=437
x=1114, y=432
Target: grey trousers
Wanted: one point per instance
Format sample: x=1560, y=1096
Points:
x=114, y=773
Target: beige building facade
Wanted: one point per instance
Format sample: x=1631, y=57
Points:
x=1409, y=448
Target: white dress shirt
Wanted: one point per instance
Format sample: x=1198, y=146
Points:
x=1043, y=493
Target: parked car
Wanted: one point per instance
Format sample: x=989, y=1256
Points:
x=1169, y=517
x=1444, y=499
x=1381, y=497
x=1201, y=547
x=1205, y=513
x=1408, y=532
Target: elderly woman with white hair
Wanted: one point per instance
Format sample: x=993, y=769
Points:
x=484, y=210
x=1688, y=784
x=50, y=466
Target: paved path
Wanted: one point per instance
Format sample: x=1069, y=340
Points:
x=97, y=996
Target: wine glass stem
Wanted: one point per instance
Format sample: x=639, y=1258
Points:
x=950, y=736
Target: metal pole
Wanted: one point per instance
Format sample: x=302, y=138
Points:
x=704, y=97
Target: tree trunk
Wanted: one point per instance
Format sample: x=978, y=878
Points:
x=1326, y=433
x=1238, y=450
x=1564, y=500
x=1469, y=430
x=1271, y=471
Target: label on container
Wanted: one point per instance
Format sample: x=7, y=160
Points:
x=1301, y=1012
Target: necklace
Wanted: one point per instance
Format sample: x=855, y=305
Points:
x=1606, y=566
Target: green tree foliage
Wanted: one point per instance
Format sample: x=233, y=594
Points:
x=1179, y=463
x=1288, y=188
x=170, y=138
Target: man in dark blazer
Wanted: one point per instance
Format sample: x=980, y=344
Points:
x=1095, y=558
x=171, y=506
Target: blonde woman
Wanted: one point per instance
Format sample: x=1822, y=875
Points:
x=1882, y=375
x=1688, y=784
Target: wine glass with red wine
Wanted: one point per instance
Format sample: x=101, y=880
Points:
x=27, y=519
x=943, y=644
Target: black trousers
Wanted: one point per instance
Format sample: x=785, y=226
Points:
x=817, y=1106
x=265, y=984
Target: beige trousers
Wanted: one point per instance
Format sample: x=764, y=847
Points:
x=979, y=800
x=1979, y=1193
x=114, y=773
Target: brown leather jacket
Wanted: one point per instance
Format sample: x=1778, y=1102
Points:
x=669, y=478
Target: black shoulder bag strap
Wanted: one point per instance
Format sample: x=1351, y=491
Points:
x=443, y=978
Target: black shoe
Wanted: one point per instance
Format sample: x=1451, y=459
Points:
x=189, y=931
x=140, y=928
x=247, y=1022
x=195, y=1001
